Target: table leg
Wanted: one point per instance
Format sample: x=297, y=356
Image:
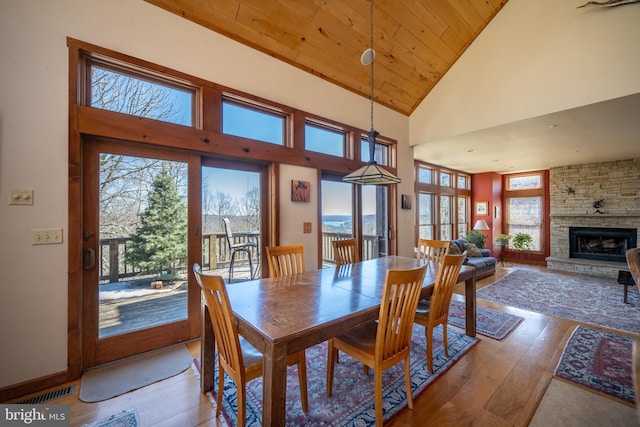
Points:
x=470, y=300
x=274, y=386
x=207, y=353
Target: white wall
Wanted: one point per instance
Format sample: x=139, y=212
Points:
x=34, y=138
x=536, y=57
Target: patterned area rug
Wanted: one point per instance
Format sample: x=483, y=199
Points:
x=600, y=361
x=123, y=419
x=491, y=323
x=352, y=402
x=594, y=300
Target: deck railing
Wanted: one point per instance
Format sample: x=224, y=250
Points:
x=215, y=253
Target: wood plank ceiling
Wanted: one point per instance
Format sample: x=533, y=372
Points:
x=416, y=41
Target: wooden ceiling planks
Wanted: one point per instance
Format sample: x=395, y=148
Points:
x=416, y=41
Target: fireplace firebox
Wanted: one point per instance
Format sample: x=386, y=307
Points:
x=605, y=244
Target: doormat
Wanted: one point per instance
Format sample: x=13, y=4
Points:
x=116, y=378
x=599, y=361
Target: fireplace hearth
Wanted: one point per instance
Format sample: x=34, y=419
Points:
x=604, y=244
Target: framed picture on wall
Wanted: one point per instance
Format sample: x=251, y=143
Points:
x=300, y=191
x=482, y=208
x=406, y=201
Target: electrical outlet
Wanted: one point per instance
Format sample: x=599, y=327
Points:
x=21, y=197
x=306, y=227
x=46, y=236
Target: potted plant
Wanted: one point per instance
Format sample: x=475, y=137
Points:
x=522, y=241
x=503, y=239
x=477, y=238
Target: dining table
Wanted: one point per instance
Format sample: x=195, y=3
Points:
x=283, y=315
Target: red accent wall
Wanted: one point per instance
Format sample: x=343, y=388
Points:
x=487, y=187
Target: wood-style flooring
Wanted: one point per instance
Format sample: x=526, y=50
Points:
x=497, y=383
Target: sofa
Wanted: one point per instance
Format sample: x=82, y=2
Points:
x=481, y=259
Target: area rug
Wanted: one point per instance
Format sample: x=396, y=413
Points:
x=490, y=323
x=123, y=419
x=564, y=404
x=600, y=361
x=352, y=401
x=594, y=300
x=123, y=376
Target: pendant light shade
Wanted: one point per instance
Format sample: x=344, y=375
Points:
x=372, y=173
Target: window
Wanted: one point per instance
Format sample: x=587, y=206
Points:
x=446, y=216
x=524, y=198
x=443, y=200
x=142, y=96
x=445, y=179
x=253, y=122
x=463, y=215
x=426, y=228
x=380, y=155
x=324, y=140
x=425, y=175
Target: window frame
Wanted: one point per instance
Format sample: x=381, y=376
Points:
x=438, y=190
x=540, y=193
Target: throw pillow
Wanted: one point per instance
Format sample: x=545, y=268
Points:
x=454, y=250
x=472, y=250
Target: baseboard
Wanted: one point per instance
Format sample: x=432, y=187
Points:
x=32, y=386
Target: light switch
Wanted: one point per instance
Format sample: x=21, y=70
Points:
x=306, y=227
x=21, y=197
x=46, y=236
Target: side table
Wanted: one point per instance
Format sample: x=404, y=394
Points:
x=501, y=253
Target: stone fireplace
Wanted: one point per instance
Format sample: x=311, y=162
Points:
x=573, y=190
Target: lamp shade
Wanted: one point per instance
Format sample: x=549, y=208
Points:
x=481, y=224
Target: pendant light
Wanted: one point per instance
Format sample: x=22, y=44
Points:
x=371, y=173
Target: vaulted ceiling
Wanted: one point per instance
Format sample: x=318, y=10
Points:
x=416, y=41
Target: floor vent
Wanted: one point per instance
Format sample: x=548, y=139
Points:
x=50, y=395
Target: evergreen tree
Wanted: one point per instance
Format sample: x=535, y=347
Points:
x=161, y=239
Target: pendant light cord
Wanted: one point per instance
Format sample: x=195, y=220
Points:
x=372, y=59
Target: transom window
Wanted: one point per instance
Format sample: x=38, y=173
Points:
x=249, y=121
x=323, y=139
x=126, y=92
x=380, y=154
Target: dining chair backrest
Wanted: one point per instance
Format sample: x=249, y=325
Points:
x=433, y=250
x=633, y=261
x=446, y=280
x=222, y=319
x=345, y=251
x=285, y=260
x=400, y=297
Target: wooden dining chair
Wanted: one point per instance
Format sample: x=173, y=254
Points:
x=433, y=250
x=345, y=251
x=435, y=311
x=236, y=356
x=633, y=261
x=380, y=345
x=285, y=260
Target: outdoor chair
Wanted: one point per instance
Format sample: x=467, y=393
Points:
x=234, y=248
x=236, y=356
x=435, y=311
x=382, y=344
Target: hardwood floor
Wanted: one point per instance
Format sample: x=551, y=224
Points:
x=495, y=384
